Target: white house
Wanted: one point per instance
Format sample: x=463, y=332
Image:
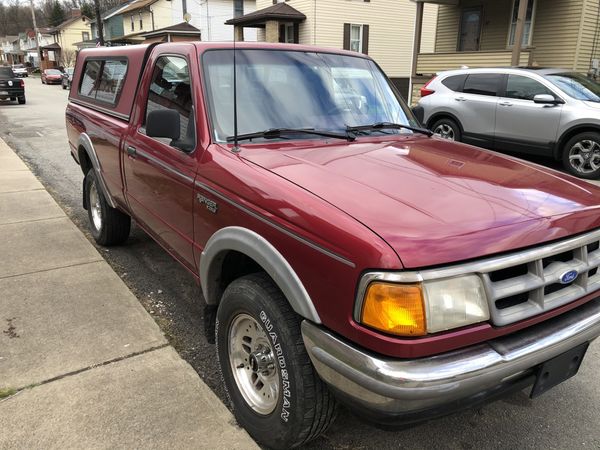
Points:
x=209, y=17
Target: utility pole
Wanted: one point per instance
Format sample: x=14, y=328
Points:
x=99, y=24
x=35, y=30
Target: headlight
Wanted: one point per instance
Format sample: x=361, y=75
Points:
x=455, y=302
x=419, y=308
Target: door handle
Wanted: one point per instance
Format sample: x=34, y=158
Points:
x=131, y=151
x=505, y=103
x=460, y=99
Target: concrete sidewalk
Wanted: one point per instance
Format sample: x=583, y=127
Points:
x=82, y=365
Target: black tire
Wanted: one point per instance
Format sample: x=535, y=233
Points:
x=22, y=100
x=587, y=146
x=447, y=129
x=114, y=225
x=64, y=86
x=305, y=408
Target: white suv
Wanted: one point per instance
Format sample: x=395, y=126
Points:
x=549, y=112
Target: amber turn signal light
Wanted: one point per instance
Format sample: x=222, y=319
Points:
x=395, y=308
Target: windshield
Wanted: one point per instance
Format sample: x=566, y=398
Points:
x=292, y=89
x=577, y=86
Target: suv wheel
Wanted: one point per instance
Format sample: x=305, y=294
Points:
x=109, y=226
x=581, y=155
x=272, y=386
x=447, y=129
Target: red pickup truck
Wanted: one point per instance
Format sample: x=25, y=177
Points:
x=344, y=253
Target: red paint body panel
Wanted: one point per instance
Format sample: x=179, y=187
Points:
x=377, y=204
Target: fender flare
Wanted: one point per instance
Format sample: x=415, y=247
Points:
x=86, y=143
x=266, y=255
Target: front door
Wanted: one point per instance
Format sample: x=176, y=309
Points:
x=522, y=124
x=159, y=173
x=470, y=29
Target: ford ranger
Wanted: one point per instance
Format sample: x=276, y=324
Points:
x=344, y=253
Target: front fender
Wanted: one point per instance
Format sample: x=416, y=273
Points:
x=266, y=255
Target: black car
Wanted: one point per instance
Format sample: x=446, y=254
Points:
x=67, y=77
x=11, y=87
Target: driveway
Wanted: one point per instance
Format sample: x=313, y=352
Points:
x=564, y=418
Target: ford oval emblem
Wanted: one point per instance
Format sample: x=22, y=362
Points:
x=568, y=277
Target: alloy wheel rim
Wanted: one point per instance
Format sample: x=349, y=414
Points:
x=444, y=131
x=584, y=156
x=253, y=364
x=95, y=208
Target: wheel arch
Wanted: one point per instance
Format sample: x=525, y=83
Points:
x=569, y=133
x=89, y=159
x=242, y=241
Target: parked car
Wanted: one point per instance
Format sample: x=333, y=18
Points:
x=547, y=112
x=344, y=254
x=20, y=70
x=52, y=76
x=67, y=78
x=11, y=87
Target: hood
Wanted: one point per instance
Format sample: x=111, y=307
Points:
x=434, y=201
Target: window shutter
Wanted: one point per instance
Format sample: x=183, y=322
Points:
x=296, y=33
x=365, y=39
x=346, y=36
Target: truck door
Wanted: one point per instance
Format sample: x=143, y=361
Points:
x=159, y=173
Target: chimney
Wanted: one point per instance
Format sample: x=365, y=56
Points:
x=75, y=12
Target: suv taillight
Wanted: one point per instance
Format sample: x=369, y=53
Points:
x=425, y=91
x=22, y=83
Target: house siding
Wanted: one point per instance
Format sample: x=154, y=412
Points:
x=72, y=33
x=391, y=28
x=555, y=32
x=589, y=26
x=210, y=17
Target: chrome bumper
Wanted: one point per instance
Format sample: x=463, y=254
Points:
x=393, y=387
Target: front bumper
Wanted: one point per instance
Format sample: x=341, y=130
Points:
x=404, y=391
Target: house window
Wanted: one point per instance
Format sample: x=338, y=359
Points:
x=528, y=23
x=85, y=35
x=356, y=37
x=132, y=23
x=289, y=33
x=141, y=22
x=238, y=8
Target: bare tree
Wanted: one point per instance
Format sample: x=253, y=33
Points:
x=67, y=57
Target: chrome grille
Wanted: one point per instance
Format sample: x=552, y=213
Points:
x=527, y=284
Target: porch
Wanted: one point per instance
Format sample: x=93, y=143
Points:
x=280, y=22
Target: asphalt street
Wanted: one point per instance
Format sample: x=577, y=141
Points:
x=564, y=418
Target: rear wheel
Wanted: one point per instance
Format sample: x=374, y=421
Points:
x=447, y=128
x=22, y=100
x=581, y=155
x=109, y=226
x=273, y=388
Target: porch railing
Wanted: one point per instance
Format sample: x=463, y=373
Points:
x=430, y=63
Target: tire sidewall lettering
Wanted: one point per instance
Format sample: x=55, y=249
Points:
x=285, y=376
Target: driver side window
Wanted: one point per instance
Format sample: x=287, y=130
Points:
x=171, y=89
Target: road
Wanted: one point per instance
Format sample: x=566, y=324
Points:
x=564, y=418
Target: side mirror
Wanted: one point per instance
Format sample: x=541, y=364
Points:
x=546, y=99
x=163, y=123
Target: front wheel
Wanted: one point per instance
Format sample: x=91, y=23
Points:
x=447, y=128
x=109, y=226
x=273, y=388
x=581, y=155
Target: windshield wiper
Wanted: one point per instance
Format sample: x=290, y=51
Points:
x=275, y=133
x=390, y=126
